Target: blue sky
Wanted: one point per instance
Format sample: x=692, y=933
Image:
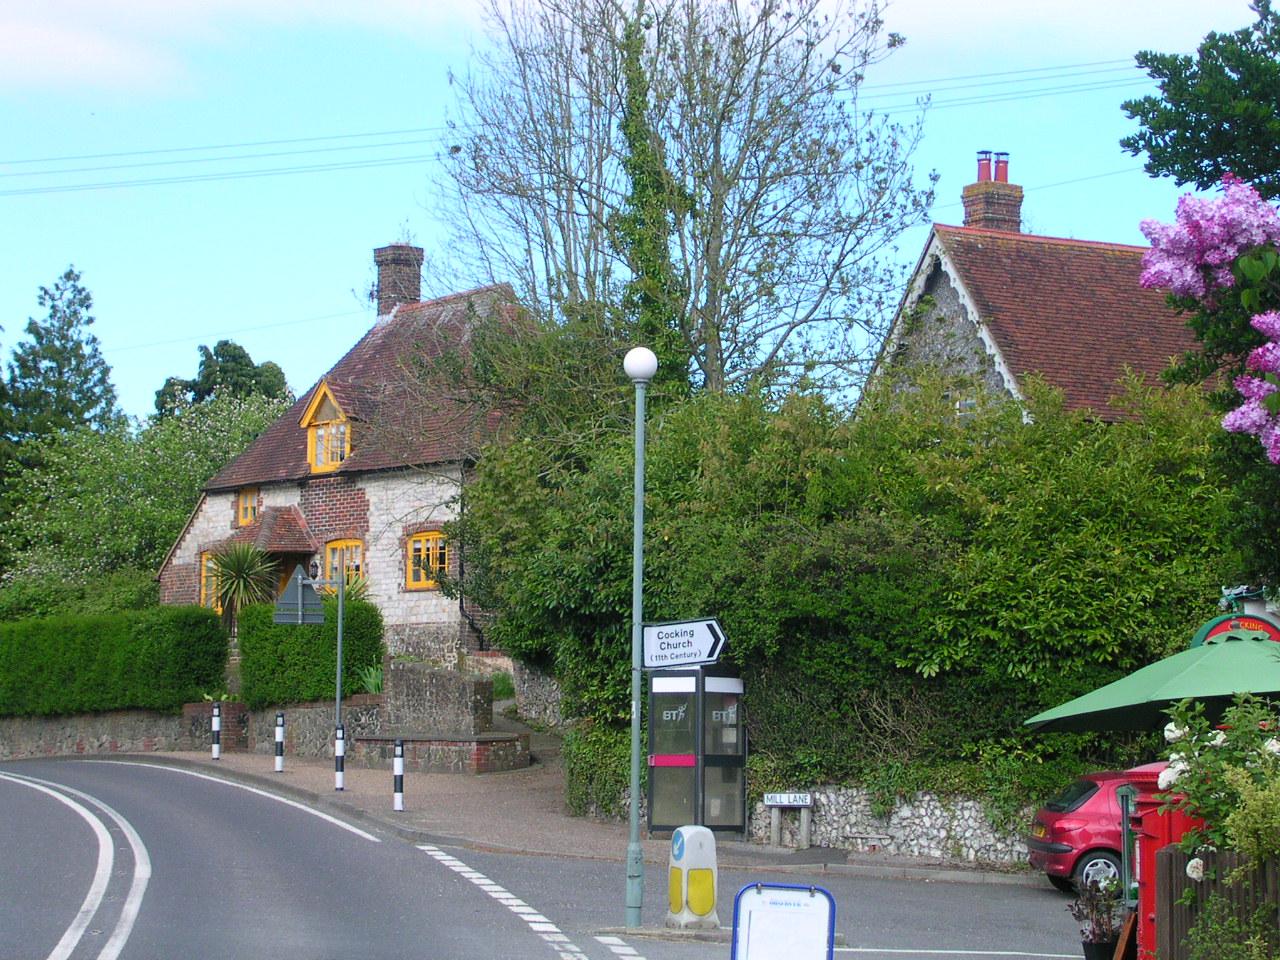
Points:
x=276, y=262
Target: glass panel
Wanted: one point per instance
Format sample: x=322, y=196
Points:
x=671, y=727
x=722, y=796
x=671, y=793
x=722, y=733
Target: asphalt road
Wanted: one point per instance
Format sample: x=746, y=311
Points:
x=117, y=861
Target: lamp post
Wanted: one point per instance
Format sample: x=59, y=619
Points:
x=640, y=365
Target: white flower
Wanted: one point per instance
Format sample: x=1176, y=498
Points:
x=1219, y=739
x=1195, y=869
x=1170, y=774
x=1272, y=745
x=1174, y=732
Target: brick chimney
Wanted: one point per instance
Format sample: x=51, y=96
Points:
x=399, y=276
x=993, y=203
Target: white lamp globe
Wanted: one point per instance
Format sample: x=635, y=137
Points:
x=641, y=364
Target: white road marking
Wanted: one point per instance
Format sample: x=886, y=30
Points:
x=141, y=862
x=101, y=875
x=620, y=947
x=538, y=924
x=262, y=793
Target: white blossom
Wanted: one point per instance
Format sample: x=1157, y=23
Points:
x=1173, y=732
x=1195, y=869
x=1170, y=774
x=1219, y=739
x=1272, y=745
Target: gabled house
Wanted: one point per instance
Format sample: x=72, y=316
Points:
x=990, y=301
x=360, y=476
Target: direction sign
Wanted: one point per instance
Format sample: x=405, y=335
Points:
x=682, y=643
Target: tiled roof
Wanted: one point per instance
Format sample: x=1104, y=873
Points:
x=277, y=530
x=373, y=388
x=1071, y=310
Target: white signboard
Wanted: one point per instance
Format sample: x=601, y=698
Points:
x=774, y=921
x=788, y=799
x=682, y=643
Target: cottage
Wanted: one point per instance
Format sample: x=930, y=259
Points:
x=362, y=473
x=989, y=301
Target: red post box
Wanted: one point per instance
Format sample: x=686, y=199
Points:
x=1153, y=831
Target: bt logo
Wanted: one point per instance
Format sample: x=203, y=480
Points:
x=675, y=716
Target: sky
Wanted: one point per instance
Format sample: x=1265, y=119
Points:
x=144, y=142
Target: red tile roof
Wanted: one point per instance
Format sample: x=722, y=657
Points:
x=277, y=530
x=1071, y=310
x=373, y=386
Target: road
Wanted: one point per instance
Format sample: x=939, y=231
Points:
x=117, y=861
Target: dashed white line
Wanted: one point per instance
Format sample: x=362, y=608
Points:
x=552, y=935
x=620, y=947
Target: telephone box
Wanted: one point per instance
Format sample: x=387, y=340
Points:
x=697, y=750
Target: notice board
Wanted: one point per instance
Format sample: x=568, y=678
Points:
x=777, y=921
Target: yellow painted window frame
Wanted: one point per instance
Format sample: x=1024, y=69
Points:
x=328, y=441
x=247, y=505
x=344, y=555
x=435, y=549
x=209, y=583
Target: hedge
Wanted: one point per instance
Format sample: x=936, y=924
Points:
x=293, y=664
x=156, y=659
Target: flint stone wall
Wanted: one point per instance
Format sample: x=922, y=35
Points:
x=120, y=731
x=422, y=699
x=924, y=826
x=538, y=697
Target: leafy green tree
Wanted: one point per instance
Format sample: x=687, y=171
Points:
x=57, y=379
x=116, y=499
x=226, y=370
x=1218, y=112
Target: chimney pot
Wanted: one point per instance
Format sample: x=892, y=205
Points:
x=399, y=276
x=984, y=166
x=1002, y=168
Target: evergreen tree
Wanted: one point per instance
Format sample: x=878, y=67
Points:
x=57, y=379
x=1218, y=112
x=228, y=371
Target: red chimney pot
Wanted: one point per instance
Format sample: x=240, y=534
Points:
x=1002, y=168
x=984, y=166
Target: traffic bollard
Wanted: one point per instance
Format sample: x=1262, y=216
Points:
x=339, y=758
x=217, y=731
x=397, y=778
x=280, y=741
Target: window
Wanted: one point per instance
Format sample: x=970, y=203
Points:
x=343, y=559
x=328, y=433
x=428, y=556
x=209, y=583
x=247, y=506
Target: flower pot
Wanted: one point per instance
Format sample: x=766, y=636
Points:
x=1103, y=950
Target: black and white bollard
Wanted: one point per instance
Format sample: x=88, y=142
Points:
x=280, y=741
x=397, y=778
x=339, y=758
x=217, y=731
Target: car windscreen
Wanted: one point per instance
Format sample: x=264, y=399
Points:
x=1072, y=797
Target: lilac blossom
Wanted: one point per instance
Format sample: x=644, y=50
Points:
x=1193, y=256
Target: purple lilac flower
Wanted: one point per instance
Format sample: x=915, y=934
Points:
x=1254, y=388
x=1250, y=417
x=1193, y=256
x=1267, y=324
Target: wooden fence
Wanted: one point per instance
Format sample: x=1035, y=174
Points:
x=1259, y=890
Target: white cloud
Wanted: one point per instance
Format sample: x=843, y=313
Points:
x=72, y=44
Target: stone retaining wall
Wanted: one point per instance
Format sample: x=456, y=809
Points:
x=538, y=697
x=120, y=731
x=924, y=826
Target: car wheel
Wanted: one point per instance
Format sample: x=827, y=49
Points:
x=1098, y=866
x=1062, y=883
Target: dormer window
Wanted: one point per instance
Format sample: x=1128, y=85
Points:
x=328, y=432
x=247, y=506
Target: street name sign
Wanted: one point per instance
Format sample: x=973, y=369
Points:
x=682, y=643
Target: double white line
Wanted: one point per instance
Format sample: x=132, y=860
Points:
x=91, y=811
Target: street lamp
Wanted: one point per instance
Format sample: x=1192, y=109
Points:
x=640, y=365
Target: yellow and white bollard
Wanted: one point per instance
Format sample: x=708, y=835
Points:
x=692, y=880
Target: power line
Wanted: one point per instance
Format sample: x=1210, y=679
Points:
x=230, y=333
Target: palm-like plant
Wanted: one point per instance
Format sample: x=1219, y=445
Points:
x=245, y=575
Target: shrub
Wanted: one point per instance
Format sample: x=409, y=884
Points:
x=293, y=664
x=597, y=763
x=155, y=659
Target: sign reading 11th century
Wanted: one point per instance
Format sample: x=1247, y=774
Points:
x=682, y=643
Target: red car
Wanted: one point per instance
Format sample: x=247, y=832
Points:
x=1075, y=837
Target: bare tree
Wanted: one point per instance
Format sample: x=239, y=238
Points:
x=782, y=200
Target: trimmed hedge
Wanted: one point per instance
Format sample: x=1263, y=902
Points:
x=156, y=659
x=293, y=664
